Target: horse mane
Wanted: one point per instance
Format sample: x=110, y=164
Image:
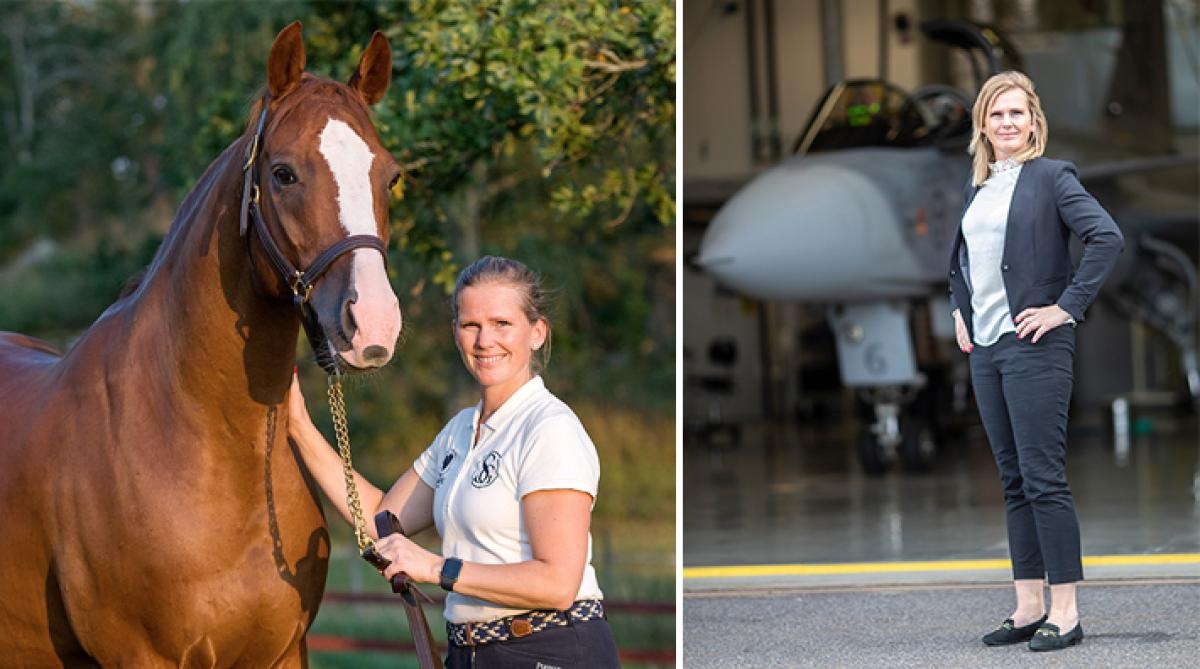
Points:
x=133, y=282
x=256, y=103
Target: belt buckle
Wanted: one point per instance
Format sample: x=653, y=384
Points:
x=520, y=627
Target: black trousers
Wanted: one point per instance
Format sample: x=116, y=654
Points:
x=586, y=645
x=1024, y=392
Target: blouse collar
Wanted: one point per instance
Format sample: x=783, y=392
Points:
x=1002, y=166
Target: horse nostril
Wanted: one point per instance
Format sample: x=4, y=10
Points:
x=375, y=354
x=347, y=321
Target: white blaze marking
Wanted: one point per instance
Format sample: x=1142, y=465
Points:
x=350, y=160
x=376, y=310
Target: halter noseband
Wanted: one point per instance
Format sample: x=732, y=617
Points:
x=300, y=281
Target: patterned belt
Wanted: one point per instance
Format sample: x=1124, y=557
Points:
x=522, y=625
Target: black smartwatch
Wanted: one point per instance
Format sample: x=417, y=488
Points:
x=449, y=576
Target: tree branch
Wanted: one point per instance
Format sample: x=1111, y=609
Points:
x=624, y=215
x=612, y=63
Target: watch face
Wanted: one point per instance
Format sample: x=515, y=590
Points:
x=450, y=569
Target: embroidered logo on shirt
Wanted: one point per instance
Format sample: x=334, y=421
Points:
x=489, y=471
x=442, y=474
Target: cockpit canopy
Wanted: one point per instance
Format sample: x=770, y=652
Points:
x=873, y=113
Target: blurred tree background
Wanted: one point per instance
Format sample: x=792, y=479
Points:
x=539, y=130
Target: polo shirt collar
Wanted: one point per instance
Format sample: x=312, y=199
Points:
x=513, y=404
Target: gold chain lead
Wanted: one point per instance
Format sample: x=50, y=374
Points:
x=337, y=407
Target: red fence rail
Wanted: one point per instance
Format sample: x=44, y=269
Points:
x=336, y=644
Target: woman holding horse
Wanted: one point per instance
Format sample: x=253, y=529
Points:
x=509, y=484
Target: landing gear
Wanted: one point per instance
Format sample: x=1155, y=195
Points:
x=872, y=455
x=875, y=355
x=898, y=432
x=918, y=450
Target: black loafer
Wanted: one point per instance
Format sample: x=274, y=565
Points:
x=1007, y=634
x=1049, y=637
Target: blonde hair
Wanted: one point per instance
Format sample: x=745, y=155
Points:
x=517, y=275
x=980, y=148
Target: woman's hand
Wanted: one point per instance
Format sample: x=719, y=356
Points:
x=298, y=418
x=1039, y=321
x=419, y=564
x=961, y=334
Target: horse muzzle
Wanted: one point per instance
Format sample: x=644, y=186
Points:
x=352, y=318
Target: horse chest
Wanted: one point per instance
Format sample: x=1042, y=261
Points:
x=236, y=549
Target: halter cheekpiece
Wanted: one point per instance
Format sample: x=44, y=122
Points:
x=300, y=281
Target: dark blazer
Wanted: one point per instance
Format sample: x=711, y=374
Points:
x=1047, y=204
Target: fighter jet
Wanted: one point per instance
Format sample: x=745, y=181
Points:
x=862, y=217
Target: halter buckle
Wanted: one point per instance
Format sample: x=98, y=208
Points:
x=301, y=289
x=253, y=154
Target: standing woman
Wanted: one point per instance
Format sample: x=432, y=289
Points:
x=1016, y=300
x=509, y=483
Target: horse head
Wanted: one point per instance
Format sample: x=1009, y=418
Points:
x=315, y=204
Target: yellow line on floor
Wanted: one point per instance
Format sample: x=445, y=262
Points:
x=928, y=566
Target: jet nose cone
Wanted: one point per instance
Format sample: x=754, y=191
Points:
x=797, y=231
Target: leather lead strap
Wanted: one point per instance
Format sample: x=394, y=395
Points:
x=427, y=658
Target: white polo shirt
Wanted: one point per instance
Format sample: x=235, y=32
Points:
x=532, y=442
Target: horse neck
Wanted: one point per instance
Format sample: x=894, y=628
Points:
x=227, y=348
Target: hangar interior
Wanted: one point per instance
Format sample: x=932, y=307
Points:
x=775, y=470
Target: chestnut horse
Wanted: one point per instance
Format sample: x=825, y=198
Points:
x=152, y=511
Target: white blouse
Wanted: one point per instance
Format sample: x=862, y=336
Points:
x=984, y=227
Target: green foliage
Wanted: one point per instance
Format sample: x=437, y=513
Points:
x=542, y=131
x=636, y=449
x=59, y=298
x=66, y=130
x=205, y=62
x=565, y=83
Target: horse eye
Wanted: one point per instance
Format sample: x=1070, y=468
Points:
x=284, y=176
x=395, y=180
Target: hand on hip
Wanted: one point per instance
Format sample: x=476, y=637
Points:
x=1040, y=320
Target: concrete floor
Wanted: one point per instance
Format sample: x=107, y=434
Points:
x=1126, y=626
x=794, y=494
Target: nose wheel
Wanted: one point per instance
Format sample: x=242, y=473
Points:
x=899, y=433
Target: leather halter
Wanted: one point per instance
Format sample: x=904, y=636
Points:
x=300, y=281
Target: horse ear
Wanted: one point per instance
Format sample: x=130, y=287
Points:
x=374, y=71
x=286, y=62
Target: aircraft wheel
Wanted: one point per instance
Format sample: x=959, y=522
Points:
x=918, y=449
x=871, y=453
